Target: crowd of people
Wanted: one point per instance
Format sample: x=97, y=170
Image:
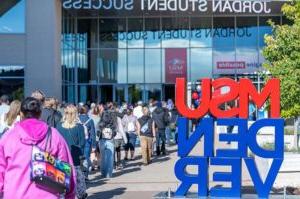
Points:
x=88, y=137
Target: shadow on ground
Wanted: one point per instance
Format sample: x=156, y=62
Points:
x=108, y=194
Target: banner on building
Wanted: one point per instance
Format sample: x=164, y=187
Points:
x=175, y=63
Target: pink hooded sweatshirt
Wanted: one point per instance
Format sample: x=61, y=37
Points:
x=15, y=157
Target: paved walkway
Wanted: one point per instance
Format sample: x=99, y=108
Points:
x=136, y=181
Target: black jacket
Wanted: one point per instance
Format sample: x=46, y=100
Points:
x=75, y=139
x=51, y=117
x=161, y=118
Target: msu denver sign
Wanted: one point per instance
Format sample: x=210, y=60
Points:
x=243, y=91
x=199, y=6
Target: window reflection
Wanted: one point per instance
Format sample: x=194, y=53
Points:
x=135, y=66
x=153, y=65
x=153, y=91
x=68, y=65
x=113, y=33
x=68, y=93
x=120, y=94
x=82, y=63
x=69, y=38
x=223, y=32
x=13, y=87
x=108, y=52
x=246, y=31
x=152, y=31
x=224, y=61
x=136, y=34
x=201, y=62
x=175, y=32
x=135, y=93
x=87, y=34
x=201, y=29
x=12, y=17
x=249, y=56
x=87, y=93
x=13, y=71
x=108, y=66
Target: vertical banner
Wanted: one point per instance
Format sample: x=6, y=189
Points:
x=175, y=63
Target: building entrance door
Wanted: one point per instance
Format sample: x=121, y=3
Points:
x=106, y=93
x=169, y=92
x=120, y=93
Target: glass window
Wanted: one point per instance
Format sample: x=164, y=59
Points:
x=106, y=93
x=201, y=32
x=136, y=34
x=265, y=28
x=153, y=65
x=12, y=17
x=153, y=91
x=13, y=87
x=11, y=71
x=135, y=93
x=286, y=21
x=224, y=61
x=68, y=65
x=120, y=94
x=246, y=32
x=223, y=32
x=69, y=37
x=152, y=31
x=135, y=65
x=175, y=32
x=249, y=57
x=111, y=66
x=201, y=62
x=113, y=33
x=68, y=93
x=83, y=63
x=87, y=93
x=87, y=34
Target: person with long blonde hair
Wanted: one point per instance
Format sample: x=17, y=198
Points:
x=73, y=132
x=8, y=120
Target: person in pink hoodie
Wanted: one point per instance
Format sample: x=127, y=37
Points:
x=15, y=155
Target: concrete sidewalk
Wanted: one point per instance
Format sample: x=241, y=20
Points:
x=136, y=181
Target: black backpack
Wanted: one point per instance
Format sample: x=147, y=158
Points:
x=108, y=120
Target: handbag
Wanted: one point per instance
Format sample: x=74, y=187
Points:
x=48, y=172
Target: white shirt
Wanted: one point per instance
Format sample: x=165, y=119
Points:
x=120, y=132
x=4, y=125
x=138, y=112
x=4, y=108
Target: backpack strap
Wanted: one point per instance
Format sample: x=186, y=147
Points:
x=48, y=137
x=87, y=121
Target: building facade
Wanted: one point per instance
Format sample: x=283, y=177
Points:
x=129, y=50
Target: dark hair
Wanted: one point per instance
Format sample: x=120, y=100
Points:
x=82, y=110
x=31, y=108
x=96, y=110
x=129, y=111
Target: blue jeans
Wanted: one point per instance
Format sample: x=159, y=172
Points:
x=107, y=151
x=87, y=154
x=168, y=135
x=161, y=142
